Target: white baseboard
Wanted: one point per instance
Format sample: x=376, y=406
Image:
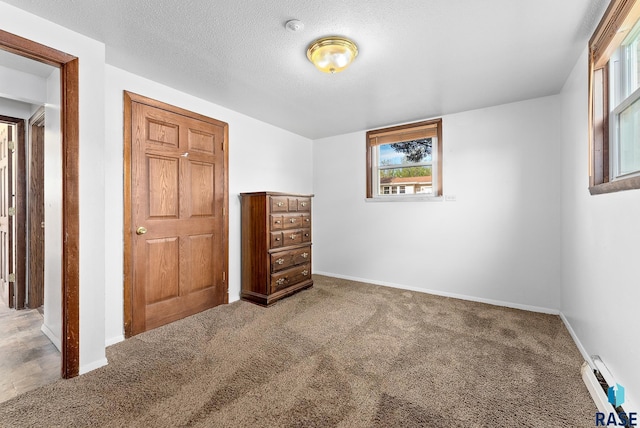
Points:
x=92, y=366
x=113, y=340
x=445, y=294
x=52, y=337
x=576, y=340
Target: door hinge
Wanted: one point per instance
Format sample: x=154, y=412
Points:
x=224, y=276
x=12, y=145
x=12, y=210
x=12, y=277
x=222, y=146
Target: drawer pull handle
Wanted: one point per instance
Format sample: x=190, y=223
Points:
x=280, y=281
x=293, y=237
x=280, y=204
x=306, y=234
x=277, y=239
x=293, y=220
x=305, y=272
x=278, y=222
x=280, y=261
x=304, y=204
x=307, y=220
x=305, y=255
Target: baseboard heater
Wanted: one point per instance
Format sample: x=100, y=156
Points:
x=595, y=389
x=597, y=382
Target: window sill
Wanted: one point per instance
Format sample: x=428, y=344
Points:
x=616, y=186
x=405, y=199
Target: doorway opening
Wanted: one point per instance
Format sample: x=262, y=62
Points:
x=69, y=135
x=29, y=348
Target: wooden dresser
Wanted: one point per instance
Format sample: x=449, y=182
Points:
x=276, y=245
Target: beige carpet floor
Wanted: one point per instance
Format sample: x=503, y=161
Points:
x=342, y=354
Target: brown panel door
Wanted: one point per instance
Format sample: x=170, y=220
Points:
x=177, y=211
x=36, y=211
x=6, y=223
x=7, y=292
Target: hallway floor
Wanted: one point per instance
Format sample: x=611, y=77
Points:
x=28, y=359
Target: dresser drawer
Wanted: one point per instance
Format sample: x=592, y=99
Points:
x=276, y=222
x=276, y=240
x=292, y=237
x=302, y=255
x=299, y=204
x=292, y=221
x=279, y=204
x=304, y=204
x=285, y=259
x=290, y=277
x=306, y=220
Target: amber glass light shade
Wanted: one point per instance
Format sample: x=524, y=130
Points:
x=332, y=54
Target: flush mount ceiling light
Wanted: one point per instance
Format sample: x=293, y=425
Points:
x=332, y=54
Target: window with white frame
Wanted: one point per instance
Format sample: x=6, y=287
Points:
x=614, y=99
x=625, y=102
x=405, y=160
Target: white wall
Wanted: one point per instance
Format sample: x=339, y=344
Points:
x=600, y=252
x=22, y=86
x=18, y=109
x=52, y=326
x=498, y=242
x=92, y=212
x=261, y=157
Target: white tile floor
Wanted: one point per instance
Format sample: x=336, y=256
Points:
x=27, y=358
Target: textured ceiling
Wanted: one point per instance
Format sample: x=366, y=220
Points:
x=418, y=58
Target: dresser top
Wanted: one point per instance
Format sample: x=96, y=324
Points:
x=267, y=193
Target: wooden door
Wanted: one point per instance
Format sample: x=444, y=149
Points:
x=36, y=211
x=178, y=207
x=7, y=291
x=6, y=224
x=12, y=211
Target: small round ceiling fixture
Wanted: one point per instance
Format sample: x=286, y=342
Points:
x=294, y=25
x=332, y=54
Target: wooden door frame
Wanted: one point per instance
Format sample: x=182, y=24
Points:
x=20, y=218
x=70, y=125
x=128, y=229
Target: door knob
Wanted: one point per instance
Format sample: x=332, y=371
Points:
x=141, y=230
